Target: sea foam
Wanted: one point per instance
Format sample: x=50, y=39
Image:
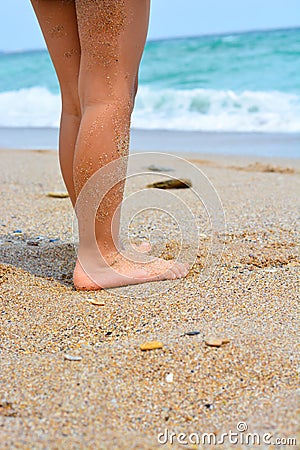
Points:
x=170, y=109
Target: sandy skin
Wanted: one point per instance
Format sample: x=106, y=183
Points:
x=124, y=272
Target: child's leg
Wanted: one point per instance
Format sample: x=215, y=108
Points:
x=58, y=22
x=112, y=35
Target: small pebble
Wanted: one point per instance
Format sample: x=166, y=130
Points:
x=209, y=405
x=151, y=345
x=32, y=243
x=191, y=333
x=7, y=409
x=169, y=378
x=72, y=358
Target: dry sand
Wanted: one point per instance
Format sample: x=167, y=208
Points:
x=117, y=396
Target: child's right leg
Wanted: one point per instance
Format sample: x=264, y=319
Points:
x=112, y=35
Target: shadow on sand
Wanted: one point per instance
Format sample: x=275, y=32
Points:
x=54, y=260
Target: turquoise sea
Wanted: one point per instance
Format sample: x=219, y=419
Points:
x=234, y=82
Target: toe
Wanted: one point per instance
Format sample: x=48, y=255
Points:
x=167, y=275
x=182, y=269
x=176, y=270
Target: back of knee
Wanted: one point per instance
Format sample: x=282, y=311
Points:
x=112, y=97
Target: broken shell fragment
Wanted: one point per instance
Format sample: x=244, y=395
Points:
x=155, y=168
x=58, y=194
x=171, y=184
x=151, y=345
x=72, y=358
x=213, y=341
x=95, y=301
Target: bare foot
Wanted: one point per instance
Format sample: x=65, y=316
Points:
x=123, y=272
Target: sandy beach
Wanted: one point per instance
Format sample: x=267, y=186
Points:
x=73, y=375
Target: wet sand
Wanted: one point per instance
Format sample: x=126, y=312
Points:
x=270, y=145
x=73, y=375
